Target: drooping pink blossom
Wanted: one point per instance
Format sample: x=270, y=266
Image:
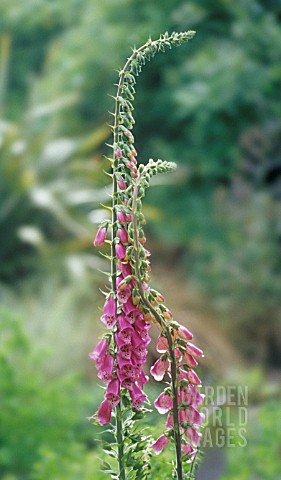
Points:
x=104, y=412
x=106, y=369
x=100, y=237
x=122, y=235
x=121, y=217
x=189, y=360
x=162, y=345
x=99, y=352
x=187, y=449
x=160, y=443
x=193, y=350
x=193, y=377
x=123, y=294
x=163, y=403
x=142, y=379
x=120, y=250
x=125, y=268
x=184, y=333
x=113, y=392
x=109, y=312
x=159, y=369
x=193, y=436
x=137, y=396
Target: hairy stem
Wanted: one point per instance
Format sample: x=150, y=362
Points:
x=119, y=437
x=162, y=323
x=119, y=422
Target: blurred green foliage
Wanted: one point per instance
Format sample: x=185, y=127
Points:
x=38, y=413
x=213, y=107
x=262, y=459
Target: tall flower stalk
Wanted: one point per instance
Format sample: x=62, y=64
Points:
x=131, y=306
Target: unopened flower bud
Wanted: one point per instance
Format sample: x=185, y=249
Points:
x=121, y=184
x=100, y=237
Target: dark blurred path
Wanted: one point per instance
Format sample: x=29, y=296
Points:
x=213, y=465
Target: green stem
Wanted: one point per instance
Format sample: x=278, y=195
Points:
x=160, y=320
x=119, y=422
x=119, y=437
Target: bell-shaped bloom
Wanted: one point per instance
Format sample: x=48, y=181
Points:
x=137, y=396
x=109, y=312
x=162, y=345
x=113, y=392
x=190, y=394
x=123, y=294
x=193, y=350
x=193, y=436
x=191, y=415
x=125, y=351
x=125, y=268
x=170, y=421
x=140, y=352
x=193, y=377
x=100, y=237
x=121, y=217
x=142, y=378
x=106, y=369
x=189, y=360
x=128, y=383
x=99, y=353
x=126, y=369
x=160, y=443
x=104, y=412
x=125, y=330
x=122, y=235
x=187, y=449
x=184, y=333
x=159, y=369
x=163, y=403
x=120, y=250
x=131, y=311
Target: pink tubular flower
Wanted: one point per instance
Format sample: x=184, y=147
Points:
x=109, y=312
x=159, y=369
x=113, y=392
x=142, y=379
x=106, y=369
x=160, y=443
x=120, y=251
x=122, y=235
x=137, y=396
x=99, y=352
x=100, y=237
x=190, y=394
x=187, y=449
x=189, y=360
x=104, y=412
x=193, y=377
x=193, y=436
x=162, y=345
x=122, y=184
x=123, y=294
x=184, y=333
x=121, y=217
x=193, y=350
x=163, y=403
x=125, y=268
